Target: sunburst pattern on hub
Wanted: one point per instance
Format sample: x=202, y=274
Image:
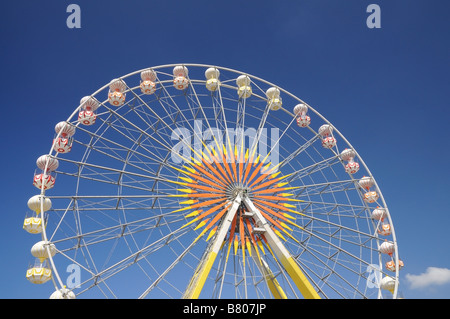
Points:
x=212, y=184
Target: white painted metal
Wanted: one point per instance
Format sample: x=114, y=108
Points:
x=136, y=138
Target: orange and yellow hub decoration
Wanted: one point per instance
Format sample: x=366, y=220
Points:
x=212, y=183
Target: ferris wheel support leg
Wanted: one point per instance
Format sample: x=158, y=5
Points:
x=198, y=279
x=272, y=283
x=288, y=262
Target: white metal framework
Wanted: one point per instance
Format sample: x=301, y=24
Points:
x=198, y=181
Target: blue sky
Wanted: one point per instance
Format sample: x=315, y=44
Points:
x=386, y=90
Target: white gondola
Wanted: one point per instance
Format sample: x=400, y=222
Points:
x=212, y=79
x=328, y=140
x=273, y=98
x=388, y=283
x=387, y=248
x=391, y=266
x=62, y=145
x=41, y=250
x=369, y=196
x=33, y=223
x=148, y=85
x=63, y=293
x=384, y=229
x=348, y=155
x=39, y=273
x=47, y=163
x=300, y=110
x=180, y=81
x=44, y=176
x=244, y=88
x=39, y=204
x=63, y=141
x=379, y=213
x=88, y=110
x=116, y=94
x=43, y=181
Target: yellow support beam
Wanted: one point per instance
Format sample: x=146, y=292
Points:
x=273, y=243
x=299, y=278
x=280, y=251
x=272, y=283
x=204, y=267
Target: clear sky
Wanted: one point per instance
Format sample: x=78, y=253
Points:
x=386, y=89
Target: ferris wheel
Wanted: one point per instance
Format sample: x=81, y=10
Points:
x=199, y=181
